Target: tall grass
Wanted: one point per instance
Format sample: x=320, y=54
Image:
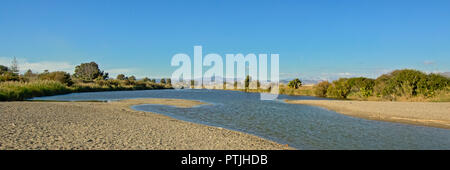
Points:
x=13, y=90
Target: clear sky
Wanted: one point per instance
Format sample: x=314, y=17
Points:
x=315, y=39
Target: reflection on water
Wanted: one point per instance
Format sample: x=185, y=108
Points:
x=300, y=126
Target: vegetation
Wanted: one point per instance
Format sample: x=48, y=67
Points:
x=89, y=72
x=399, y=85
x=14, y=90
x=59, y=76
x=296, y=83
x=321, y=88
x=339, y=89
x=406, y=84
x=87, y=78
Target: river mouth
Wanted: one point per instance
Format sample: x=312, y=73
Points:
x=299, y=126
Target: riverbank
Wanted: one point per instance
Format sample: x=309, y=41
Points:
x=112, y=125
x=18, y=91
x=434, y=114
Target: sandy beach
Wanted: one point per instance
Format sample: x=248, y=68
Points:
x=113, y=125
x=434, y=114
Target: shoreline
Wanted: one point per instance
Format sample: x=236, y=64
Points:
x=114, y=125
x=430, y=114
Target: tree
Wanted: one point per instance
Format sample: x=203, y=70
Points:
x=192, y=83
x=339, y=89
x=59, y=76
x=89, y=72
x=361, y=86
x=3, y=69
x=146, y=79
x=169, y=81
x=163, y=81
x=434, y=83
x=8, y=76
x=132, y=78
x=321, y=88
x=406, y=82
x=153, y=81
x=296, y=83
x=247, y=82
x=14, y=66
x=121, y=77
x=29, y=73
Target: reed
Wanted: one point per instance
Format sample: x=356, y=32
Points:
x=14, y=90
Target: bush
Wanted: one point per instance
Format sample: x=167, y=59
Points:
x=435, y=83
x=361, y=86
x=121, y=77
x=296, y=83
x=8, y=76
x=321, y=88
x=339, y=89
x=59, y=76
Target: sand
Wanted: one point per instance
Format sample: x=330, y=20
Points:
x=113, y=125
x=434, y=114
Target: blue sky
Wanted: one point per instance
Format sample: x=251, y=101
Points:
x=315, y=39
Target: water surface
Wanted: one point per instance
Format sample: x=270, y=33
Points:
x=300, y=126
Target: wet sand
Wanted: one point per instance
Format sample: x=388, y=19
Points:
x=113, y=125
x=434, y=114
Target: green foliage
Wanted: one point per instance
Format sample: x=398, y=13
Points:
x=89, y=72
x=321, y=88
x=339, y=89
x=435, y=83
x=146, y=79
x=405, y=83
x=132, y=78
x=163, y=81
x=121, y=77
x=10, y=91
x=169, y=81
x=9, y=76
x=296, y=83
x=59, y=76
x=87, y=78
x=3, y=69
x=361, y=86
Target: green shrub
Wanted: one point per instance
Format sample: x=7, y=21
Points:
x=59, y=76
x=339, y=89
x=361, y=86
x=321, y=88
x=296, y=83
x=8, y=76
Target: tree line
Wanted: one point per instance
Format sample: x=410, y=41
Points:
x=84, y=73
x=86, y=77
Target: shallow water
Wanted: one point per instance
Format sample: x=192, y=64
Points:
x=300, y=126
